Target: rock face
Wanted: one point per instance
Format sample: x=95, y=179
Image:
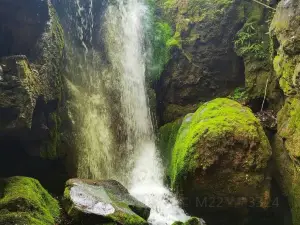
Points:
x=203, y=62
x=103, y=202
x=20, y=87
x=286, y=154
x=285, y=32
x=221, y=151
x=24, y=201
x=30, y=89
x=255, y=46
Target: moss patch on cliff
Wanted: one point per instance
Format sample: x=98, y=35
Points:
x=252, y=41
x=286, y=151
x=186, y=13
x=167, y=138
x=254, y=44
x=24, y=201
x=50, y=149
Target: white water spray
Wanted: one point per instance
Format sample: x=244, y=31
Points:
x=125, y=30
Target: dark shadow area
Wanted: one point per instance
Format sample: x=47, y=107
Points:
x=21, y=25
x=15, y=161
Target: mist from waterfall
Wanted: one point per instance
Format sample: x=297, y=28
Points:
x=107, y=102
x=126, y=25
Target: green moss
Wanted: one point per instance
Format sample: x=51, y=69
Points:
x=178, y=223
x=239, y=94
x=25, y=201
x=50, y=149
x=252, y=41
x=167, y=138
x=287, y=176
x=289, y=126
x=193, y=221
x=186, y=13
x=207, y=129
x=284, y=68
x=161, y=34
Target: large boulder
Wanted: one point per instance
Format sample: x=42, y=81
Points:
x=221, y=152
x=24, y=201
x=101, y=202
x=203, y=63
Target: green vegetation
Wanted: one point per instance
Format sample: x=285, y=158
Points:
x=252, y=41
x=183, y=14
x=160, y=42
x=284, y=68
x=24, y=201
x=208, y=130
x=248, y=44
x=167, y=138
x=51, y=146
x=239, y=94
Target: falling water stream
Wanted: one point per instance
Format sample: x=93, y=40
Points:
x=108, y=105
x=126, y=25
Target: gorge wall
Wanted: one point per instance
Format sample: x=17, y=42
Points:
x=207, y=62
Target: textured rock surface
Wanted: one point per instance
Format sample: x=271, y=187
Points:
x=285, y=32
x=221, y=150
x=255, y=46
x=203, y=38
x=30, y=90
x=19, y=88
x=100, y=202
x=24, y=201
x=286, y=154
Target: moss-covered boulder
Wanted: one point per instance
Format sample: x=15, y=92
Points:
x=24, y=201
x=102, y=202
x=202, y=37
x=222, y=151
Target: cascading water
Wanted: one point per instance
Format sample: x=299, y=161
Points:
x=126, y=22
x=113, y=133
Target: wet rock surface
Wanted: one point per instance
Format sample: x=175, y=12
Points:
x=100, y=202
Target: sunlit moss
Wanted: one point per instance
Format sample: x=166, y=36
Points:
x=25, y=201
x=207, y=129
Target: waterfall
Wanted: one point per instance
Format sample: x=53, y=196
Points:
x=112, y=134
x=125, y=26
